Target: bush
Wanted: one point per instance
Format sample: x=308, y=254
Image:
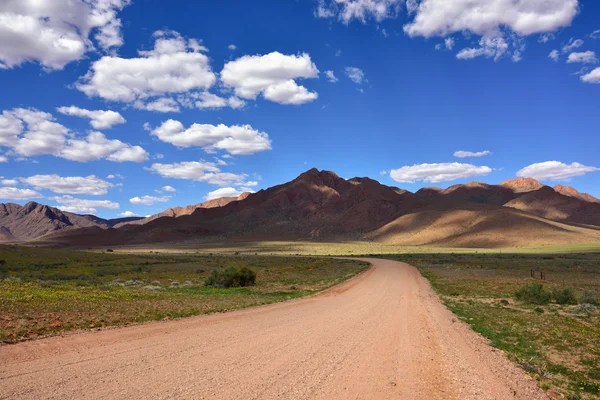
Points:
x=589, y=297
x=534, y=293
x=231, y=277
x=564, y=296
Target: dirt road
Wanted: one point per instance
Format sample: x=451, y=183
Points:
x=382, y=335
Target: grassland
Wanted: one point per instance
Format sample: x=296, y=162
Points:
x=49, y=291
x=556, y=344
x=342, y=248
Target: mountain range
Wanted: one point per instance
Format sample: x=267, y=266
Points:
x=319, y=205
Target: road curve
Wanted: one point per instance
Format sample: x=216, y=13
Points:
x=382, y=335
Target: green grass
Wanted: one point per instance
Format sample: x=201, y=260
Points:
x=48, y=291
x=561, y=349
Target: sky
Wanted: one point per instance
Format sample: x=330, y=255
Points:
x=128, y=107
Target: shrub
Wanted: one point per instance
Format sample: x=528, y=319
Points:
x=589, y=297
x=231, y=277
x=109, y=250
x=564, y=296
x=534, y=293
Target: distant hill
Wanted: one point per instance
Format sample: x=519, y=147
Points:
x=319, y=205
x=176, y=212
x=34, y=220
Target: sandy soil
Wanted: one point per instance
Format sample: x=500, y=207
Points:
x=382, y=335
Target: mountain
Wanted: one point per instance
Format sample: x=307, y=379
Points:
x=34, y=220
x=522, y=185
x=319, y=205
x=572, y=192
x=176, y=212
x=550, y=204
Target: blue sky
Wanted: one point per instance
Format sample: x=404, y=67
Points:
x=212, y=98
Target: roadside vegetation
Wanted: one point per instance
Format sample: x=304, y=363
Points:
x=49, y=291
x=550, y=327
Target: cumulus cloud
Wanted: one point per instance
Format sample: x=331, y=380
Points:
x=99, y=119
x=488, y=17
x=162, y=105
x=9, y=182
x=273, y=75
x=586, y=57
x=449, y=43
x=3, y=159
x=464, y=154
x=554, y=55
x=572, y=45
x=223, y=192
x=361, y=10
x=592, y=77
x=169, y=189
x=490, y=47
x=356, y=75
x=595, y=34
x=175, y=65
x=200, y=171
x=331, y=76
x=89, y=185
x=437, y=172
x=236, y=139
x=149, y=200
x=232, y=47
x=127, y=214
x=83, y=206
x=13, y=193
x=55, y=33
x=555, y=170
x=30, y=132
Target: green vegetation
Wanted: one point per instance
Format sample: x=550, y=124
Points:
x=231, y=277
x=49, y=291
x=535, y=322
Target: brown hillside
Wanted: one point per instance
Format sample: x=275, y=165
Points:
x=522, y=185
x=572, y=192
x=479, y=226
x=548, y=203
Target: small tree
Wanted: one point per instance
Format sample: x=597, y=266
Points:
x=564, y=296
x=231, y=277
x=534, y=293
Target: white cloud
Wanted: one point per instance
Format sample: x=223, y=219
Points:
x=595, y=34
x=236, y=139
x=169, y=189
x=12, y=193
x=572, y=45
x=555, y=170
x=488, y=17
x=449, y=43
x=127, y=214
x=464, y=154
x=383, y=172
x=200, y=171
x=83, y=206
x=361, y=10
x=554, y=55
x=273, y=75
x=175, y=65
x=232, y=47
x=55, y=33
x=162, y=105
x=30, y=132
x=251, y=183
x=546, y=37
x=149, y=200
x=356, y=75
x=331, y=76
x=489, y=47
x=586, y=57
x=206, y=100
x=223, y=192
x=99, y=119
x=90, y=185
x=437, y=172
x=592, y=77
x=96, y=146
x=9, y=182
x=3, y=159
